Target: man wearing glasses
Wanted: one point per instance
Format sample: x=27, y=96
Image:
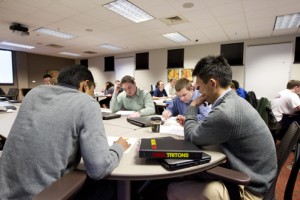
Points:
x=132, y=98
x=185, y=95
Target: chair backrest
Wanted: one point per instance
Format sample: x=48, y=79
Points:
x=13, y=93
x=251, y=98
x=2, y=93
x=284, y=149
x=263, y=108
x=25, y=91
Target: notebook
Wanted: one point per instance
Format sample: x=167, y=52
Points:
x=107, y=116
x=174, y=164
x=140, y=121
x=168, y=147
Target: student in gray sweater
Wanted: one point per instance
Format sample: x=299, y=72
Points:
x=54, y=128
x=234, y=125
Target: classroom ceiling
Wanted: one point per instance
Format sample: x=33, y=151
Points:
x=203, y=21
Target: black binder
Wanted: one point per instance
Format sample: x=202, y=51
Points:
x=168, y=147
x=174, y=164
x=140, y=121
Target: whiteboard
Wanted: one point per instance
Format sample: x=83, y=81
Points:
x=124, y=66
x=267, y=69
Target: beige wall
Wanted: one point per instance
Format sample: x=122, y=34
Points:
x=31, y=67
x=158, y=62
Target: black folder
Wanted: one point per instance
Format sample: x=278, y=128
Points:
x=168, y=147
x=107, y=116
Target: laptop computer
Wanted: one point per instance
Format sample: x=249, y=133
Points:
x=107, y=116
x=140, y=121
x=174, y=164
x=168, y=147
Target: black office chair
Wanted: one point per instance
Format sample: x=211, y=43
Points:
x=2, y=93
x=232, y=178
x=12, y=93
x=2, y=142
x=25, y=91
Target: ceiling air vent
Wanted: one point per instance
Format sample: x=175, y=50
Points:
x=173, y=20
x=54, y=46
x=89, y=52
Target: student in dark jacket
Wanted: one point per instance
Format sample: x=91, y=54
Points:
x=160, y=90
x=240, y=91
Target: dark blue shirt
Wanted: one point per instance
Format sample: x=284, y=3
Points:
x=178, y=107
x=158, y=93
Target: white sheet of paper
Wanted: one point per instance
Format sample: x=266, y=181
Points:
x=131, y=141
x=125, y=112
x=172, y=129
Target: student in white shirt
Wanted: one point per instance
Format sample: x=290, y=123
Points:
x=170, y=88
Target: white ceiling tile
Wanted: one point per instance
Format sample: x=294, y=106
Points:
x=207, y=21
x=232, y=18
x=211, y=3
x=16, y=7
x=236, y=31
x=227, y=9
x=78, y=5
x=60, y=10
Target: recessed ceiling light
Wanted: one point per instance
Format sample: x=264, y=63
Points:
x=176, y=37
x=128, y=10
x=111, y=47
x=70, y=54
x=287, y=21
x=55, y=33
x=17, y=45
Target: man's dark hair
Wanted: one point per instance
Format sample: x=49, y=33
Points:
x=292, y=83
x=47, y=76
x=216, y=67
x=74, y=74
x=236, y=84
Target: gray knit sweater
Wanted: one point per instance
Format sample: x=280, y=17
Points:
x=54, y=127
x=243, y=136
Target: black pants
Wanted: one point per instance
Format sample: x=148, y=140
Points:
x=95, y=190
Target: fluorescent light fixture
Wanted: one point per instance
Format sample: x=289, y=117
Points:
x=128, y=10
x=287, y=21
x=55, y=33
x=17, y=45
x=111, y=47
x=176, y=37
x=70, y=54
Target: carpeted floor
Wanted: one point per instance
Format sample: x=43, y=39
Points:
x=283, y=178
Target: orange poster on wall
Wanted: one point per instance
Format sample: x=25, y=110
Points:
x=173, y=73
x=187, y=73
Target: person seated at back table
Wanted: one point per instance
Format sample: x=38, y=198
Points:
x=240, y=91
x=108, y=92
x=47, y=79
x=160, y=90
x=170, y=88
x=132, y=98
x=286, y=101
x=185, y=95
x=236, y=127
x=54, y=128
